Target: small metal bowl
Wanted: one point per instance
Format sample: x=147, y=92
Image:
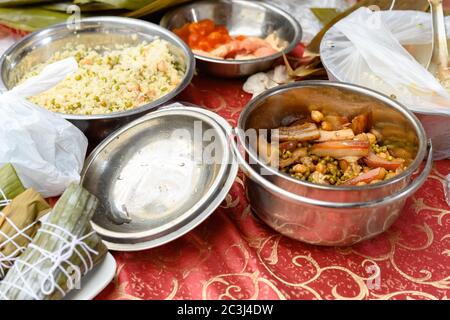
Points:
x=150, y=181
x=248, y=18
x=103, y=31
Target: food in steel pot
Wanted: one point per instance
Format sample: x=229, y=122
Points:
x=111, y=80
x=337, y=150
x=214, y=41
x=325, y=214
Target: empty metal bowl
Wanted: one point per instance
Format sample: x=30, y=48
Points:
x=99, y=31
x=154, y=178
x=249, y=18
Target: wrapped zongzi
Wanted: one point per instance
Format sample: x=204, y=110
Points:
x=18, y=226
x=64, y=249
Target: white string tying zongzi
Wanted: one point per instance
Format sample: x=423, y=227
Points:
x=7, y=261
x=59, y=259
x=4, y=201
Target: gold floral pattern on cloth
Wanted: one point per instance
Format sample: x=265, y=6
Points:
x=233, y=255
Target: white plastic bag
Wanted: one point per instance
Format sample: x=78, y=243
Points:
x=47, y=151
x=367, y=48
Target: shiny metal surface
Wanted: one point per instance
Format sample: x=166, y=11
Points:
x=326, y=223
x=202, y=213
x=275, y=107
x=319, y=214
x=248, y=18
x=104, y=31
x=148, y=171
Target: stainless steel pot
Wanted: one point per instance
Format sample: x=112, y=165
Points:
x=328, y=215
x=280, y=105
x=102, y=31
x=240, y=17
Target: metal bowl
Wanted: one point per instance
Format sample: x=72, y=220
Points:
x=320, y=214
x=104, y=31
x=248, y=18
x=152, y=179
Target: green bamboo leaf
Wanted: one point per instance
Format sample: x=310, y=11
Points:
x=154, y=7
x=120, y=4
x=10, y=183
x=13, y=3
x=72, y=213
x=325, y=15
x=88, y=7
x=30, y=19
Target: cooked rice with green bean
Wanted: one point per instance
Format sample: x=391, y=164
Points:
x=112, y=80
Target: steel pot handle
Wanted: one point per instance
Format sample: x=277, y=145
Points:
x=413, y=187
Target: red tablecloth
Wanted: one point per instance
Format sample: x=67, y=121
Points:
x=233, y=255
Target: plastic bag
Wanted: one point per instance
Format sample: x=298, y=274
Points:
x=368, y=48
x=262, y=81
x=47, y=151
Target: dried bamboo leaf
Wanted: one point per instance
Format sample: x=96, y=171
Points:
x=325, y=15
x=305, y=70
x=288, y=65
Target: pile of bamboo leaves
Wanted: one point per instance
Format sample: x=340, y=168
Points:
x=31, y=15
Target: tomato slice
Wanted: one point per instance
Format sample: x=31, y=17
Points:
x=203, y=35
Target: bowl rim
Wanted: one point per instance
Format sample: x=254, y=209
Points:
x=298, y=32
x=174, y=40
x=422, y=144
x=204, y=199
